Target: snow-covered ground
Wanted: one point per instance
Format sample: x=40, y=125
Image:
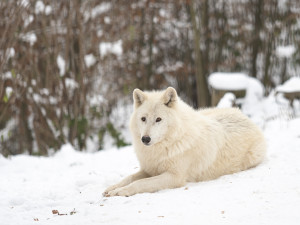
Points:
x=34, y=190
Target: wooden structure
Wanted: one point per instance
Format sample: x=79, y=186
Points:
x=221, y=83
x=290, y=95
x=290, y=90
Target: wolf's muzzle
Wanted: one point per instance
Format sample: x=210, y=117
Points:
x=146, y=140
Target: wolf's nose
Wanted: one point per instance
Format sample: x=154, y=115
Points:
x=146, y=139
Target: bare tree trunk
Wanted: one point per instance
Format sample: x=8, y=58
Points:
x=141, y=44
x=267, y=63
x=150, y=49
x=256, y=43
x=201, y=81
x=272, y=11
x=283, y=74
x=207, y=38
x=221, y=26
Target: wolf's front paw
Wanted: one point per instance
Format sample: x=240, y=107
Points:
x=109, y=189
x=123, y=191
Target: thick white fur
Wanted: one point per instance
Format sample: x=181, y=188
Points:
x=187, y=145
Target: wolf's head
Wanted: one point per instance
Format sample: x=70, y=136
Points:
x=153, y=116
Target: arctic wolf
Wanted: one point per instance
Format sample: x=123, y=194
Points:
x=176, y=144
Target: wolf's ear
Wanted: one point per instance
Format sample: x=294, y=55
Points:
x=138, y=97
x=170, y=97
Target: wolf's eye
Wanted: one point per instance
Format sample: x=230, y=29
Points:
x=158, y=119
x=143, y=119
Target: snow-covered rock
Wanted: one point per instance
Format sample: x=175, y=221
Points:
x=235, y=82
x=228, y=81
x=291, y=85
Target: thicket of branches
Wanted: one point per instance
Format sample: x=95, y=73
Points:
x=44, y=104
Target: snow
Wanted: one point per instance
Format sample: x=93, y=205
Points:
x=37, y=98
x=228, y=81
x=10, y=52
x=89, y=60
x=285, y=51
x=44, y=91
x=96, y=100
x=6, y=75
x=291, y=85
x=72, y=182
x=48, y=10
x=111, y=47
x=169, y=67
x=8, y=91
x=227, y=100
x=107, y=20
x=99, y=33
x=254, y=95
x=164, y=13
x=28, y=20
x=39, y=7
x=255, y=89
x=99, y=9
x=71, y=84
x=61, y=65
x=24, y=3
x=29, y=37
x=53, y=101
x=282, y=5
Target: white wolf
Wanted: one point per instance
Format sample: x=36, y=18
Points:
x=176, y=144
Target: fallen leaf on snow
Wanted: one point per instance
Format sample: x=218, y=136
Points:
x=73, y=212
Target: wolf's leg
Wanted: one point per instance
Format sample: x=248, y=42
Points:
x=137, y=176
x=151, y=184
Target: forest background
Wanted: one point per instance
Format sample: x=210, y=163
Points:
x=68, y=68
